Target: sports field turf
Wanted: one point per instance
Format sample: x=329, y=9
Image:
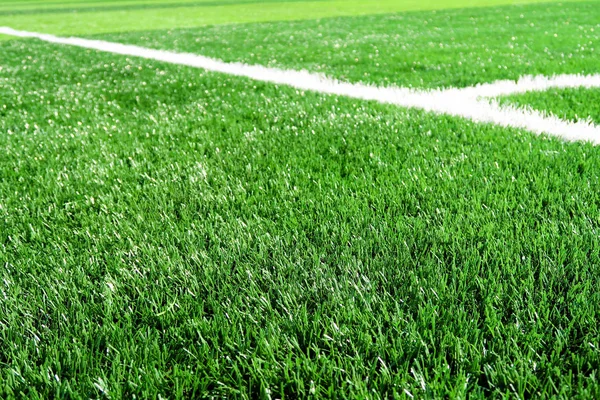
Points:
x=74, y=17
x=176, y=233
x=448, y=48
x=570, y=104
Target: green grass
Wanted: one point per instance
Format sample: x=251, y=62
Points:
x=100, y=7
x=167, y=231
x=570, y=104
x=125, y=20
x=421, y=49
x=43, y=6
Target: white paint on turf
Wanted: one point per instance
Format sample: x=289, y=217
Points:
x=474, y=103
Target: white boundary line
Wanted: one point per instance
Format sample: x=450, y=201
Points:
x=473, y=103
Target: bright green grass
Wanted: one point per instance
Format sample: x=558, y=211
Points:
x=130, y=5
x=423, y=49
x=44, y=6
x=571, y=104
x=166, y=231
x=70, y=23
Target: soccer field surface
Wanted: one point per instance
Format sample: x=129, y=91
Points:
x=168, y=231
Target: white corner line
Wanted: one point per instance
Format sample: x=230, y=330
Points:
x=473, y=103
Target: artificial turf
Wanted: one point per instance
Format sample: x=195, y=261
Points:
x=579, y=104
x=447, y=48
x=111, y=16
x=165, y=231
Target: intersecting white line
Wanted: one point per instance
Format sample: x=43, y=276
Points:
x=475, y=103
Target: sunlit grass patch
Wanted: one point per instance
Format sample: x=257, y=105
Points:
x=187, y=14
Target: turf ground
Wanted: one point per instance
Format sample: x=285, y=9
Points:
x=166, y=231
x=569, y=104
x=105, y=16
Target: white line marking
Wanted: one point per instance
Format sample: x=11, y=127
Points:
x=472, y=103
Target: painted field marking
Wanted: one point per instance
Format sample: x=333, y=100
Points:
x=474, y=103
